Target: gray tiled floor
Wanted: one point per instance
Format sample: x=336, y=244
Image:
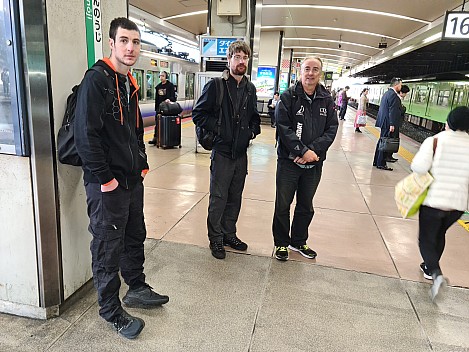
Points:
x=255, y=303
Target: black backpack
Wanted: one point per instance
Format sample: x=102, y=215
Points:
x=205, y=137
x=66, y=148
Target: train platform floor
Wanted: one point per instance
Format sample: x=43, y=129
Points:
x=364, y=291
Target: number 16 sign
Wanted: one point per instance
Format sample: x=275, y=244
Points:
x=456, y=26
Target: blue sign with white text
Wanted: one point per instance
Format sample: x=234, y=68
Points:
x=216, y=47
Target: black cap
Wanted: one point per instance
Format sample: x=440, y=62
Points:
x=458, y=119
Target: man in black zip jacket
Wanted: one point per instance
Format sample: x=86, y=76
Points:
x=306, y=126
x=240, y=123
x=109, y=141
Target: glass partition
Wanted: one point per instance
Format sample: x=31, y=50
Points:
x=12, y=139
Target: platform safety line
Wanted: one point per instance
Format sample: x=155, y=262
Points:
x=407, y=155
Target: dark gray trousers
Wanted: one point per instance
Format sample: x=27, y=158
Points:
x=227, y=177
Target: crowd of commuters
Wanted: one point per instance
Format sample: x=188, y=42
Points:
x=115, y=164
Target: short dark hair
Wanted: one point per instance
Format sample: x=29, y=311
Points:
x=121, y=22
x=405, y=88
x=165, y=74
x=238, y=46
x=276, y=93
x=347, y=87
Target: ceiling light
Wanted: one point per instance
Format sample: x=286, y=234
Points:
x=350, y=9
x=332, y=29
x=432, y=38
x=185, y=15
x=402, y=51
x=324, y=48
x=381, y=60
x=332, y=41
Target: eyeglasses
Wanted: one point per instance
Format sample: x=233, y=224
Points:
x=312, y=69
x=239, y=58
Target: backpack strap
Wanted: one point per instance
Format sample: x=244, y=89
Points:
x=221, y=90
x=109, y=81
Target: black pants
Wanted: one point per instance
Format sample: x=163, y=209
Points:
x=292, y=179
x=343, y=111
x=118, y=229
x=272, y=118
x=227, y=177
x=433, y=224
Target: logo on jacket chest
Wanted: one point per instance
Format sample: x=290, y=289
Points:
x=322, y=112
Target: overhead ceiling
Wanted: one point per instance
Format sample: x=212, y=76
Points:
x=342, y=32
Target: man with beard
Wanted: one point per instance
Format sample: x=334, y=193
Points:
x=239, y=123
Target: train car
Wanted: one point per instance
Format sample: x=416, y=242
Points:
x=429, y=100
x=181, y=73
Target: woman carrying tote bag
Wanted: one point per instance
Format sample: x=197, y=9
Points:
x=447, y=197
x=360, y=117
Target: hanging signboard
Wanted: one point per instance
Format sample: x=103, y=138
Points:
x=94, y=38
x=216, y=46
x=456, y=26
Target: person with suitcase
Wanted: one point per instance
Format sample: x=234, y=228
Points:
x=239, y=123
x=165, y=92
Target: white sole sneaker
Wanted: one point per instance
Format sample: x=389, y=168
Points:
x=303, y=254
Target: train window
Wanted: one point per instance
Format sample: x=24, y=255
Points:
x=443, y=98
x=152, y=78
x=421, y=94
x=175, y=80
x=190, y=77
x=138, y=75
x=458, y=97
x=12, y=133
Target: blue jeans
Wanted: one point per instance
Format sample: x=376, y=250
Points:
x=292, y=179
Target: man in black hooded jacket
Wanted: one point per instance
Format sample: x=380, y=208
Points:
x=109, y=141
x=239, y=124
x=306, y=126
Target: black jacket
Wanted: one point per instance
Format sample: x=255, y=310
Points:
x=163, y=92
x=109, y=128
x=389, y=112
x=304, y=124
x=236, y=129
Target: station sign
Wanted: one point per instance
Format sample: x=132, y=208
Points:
x=216, y=46
x=456, y=26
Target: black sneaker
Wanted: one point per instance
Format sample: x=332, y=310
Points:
x=281, y=253
x=144, y=297
x=217, y=250
x=153, y=141
x=235, y=243
x=305, y=251
x=127, y=325
x=426, y=273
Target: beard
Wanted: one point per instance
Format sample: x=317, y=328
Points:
x=239, y=70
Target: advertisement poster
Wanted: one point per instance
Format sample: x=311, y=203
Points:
x=265, y=81
x=283, y=82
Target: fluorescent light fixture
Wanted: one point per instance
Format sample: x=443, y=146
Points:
x=467, y=75
x=324, y=48
x=350, y=9
x=412, y=80
x=432, y=38
x=137, y=21
x=332, y=41
x=332, y=29
x=185, y=15
x=381, y=60
x=185, y=40
x=322, y=54
x=402, y=51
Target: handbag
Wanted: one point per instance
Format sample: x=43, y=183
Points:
x=388, y=144
x=169, y=109
x=361, y=120
x=411, y=191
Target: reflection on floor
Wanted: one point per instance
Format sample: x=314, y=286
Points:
x=364, y=292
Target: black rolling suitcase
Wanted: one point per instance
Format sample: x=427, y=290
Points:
x=169, y=131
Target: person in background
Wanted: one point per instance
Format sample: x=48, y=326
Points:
x=110, y=145
x=388, y=118
x=361, y=111
x=271, y=105
x=307, y=125
x=344, y=103
x=447, y=198
x=164, y=91
x=5, y=76
x=240, y=123
x=402, y=94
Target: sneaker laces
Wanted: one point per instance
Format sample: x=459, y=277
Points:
x=304, y=247
x=234, y=240
x=122, y=322
x=217, y=246
x=282, y=249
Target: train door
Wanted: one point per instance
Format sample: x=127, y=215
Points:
x=458, y=98
x=138, y=75
x=439, y=103
x=152, y=78
x=189, y=88
x=175, y=80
